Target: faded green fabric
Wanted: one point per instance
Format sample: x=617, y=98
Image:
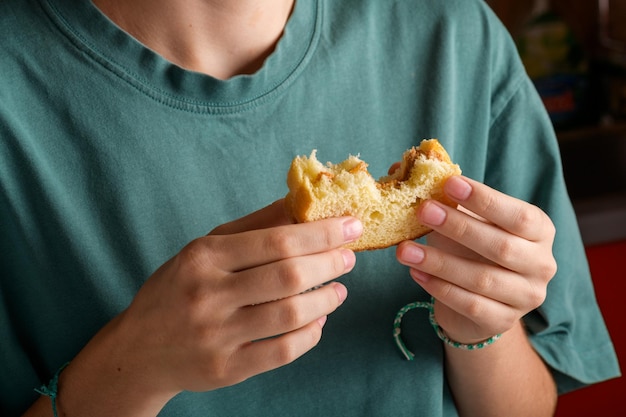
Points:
x=112, y=159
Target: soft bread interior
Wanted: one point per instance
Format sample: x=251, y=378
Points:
x=386, y=207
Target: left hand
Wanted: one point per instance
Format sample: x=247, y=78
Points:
x=488, y=263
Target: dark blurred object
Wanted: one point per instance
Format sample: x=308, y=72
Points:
x=611, y=57
x=593, y=162
x=595, y=173
x=557, y=64
x=599, y=28
x=612, y=30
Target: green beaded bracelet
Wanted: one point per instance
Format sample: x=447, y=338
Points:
x=430, y=306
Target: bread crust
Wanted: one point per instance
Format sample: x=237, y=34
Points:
x=387, y=207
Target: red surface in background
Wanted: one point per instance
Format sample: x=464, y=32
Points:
x=606, y=399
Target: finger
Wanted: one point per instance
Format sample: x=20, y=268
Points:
x=249, y=249
x=468, y=318
x=486, y=239
x=462, y=278
x=442, y=242
x=270, y=216
x=477, y=316
x=511, y=214
x=286, y=315
x=287, y=277
x=264, y=355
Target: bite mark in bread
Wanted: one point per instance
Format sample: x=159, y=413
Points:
x=387, y=207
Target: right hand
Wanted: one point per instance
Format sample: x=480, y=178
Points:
x=233, y=304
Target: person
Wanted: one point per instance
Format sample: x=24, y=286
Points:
x=148, y=266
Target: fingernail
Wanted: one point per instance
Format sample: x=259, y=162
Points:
x=413, y=254
x=349, y=259
x=342, y=292
x=457, y=188
x=322, y=320
x=432, y=214
x=352, y=229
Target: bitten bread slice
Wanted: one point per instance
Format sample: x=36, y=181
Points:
x=387, y=207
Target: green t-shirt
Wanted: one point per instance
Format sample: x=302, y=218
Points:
x=112, y=159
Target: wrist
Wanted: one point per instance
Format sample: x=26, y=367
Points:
x=465, y=345
x=474, y=345
x=114, y=382
x=455, y=342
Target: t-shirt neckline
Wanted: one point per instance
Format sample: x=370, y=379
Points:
x=94, y=33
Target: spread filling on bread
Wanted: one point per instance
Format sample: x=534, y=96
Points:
x=386, y=207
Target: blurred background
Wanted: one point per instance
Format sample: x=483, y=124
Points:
x=575, y=53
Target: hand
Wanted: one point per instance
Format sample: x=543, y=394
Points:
x=488, y=263
x=233, y=304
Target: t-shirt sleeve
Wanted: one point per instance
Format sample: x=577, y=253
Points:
x=568, y=330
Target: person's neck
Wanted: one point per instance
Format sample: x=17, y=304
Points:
x=221, y=38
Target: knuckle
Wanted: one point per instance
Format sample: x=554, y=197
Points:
x=330, y=237
x=281, y=243
x=460, y=229
x=286, y=351
x=445, y=289
x=290, y=315
x=194, y=262
x=314, y=334
x=291, y=348
x=198, y=255
x=436, y=263
x=202, y=327
x=217, y=370
x=537, y=293
x=508, y=320
x=489, y=203
x=194, y=299
x=548, y=269
x=526, y=220
x=475, y=309
x=506, y=251
x=325, y=235
x=291, y=276
x=549, y=226
x=204, y=334
x=552, y=229
x=337, y=263
x=484, y=281
x=537, y=296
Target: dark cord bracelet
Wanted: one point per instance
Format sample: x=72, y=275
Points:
x=51, y=390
